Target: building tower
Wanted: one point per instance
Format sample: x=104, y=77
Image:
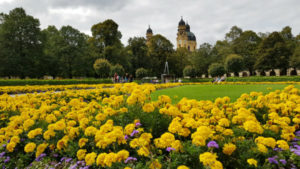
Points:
x=149, y=34
x=185, y=38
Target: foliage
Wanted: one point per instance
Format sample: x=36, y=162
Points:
x=20, y=47
x=216, y=69
x=295, y=59
x=234, y=63
x=189, y=71
x=160, y=51
x=117, y=69
x=141, y=72
x=273, y=53
x=102, y=67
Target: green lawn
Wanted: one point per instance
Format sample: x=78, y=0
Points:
x=211, y=92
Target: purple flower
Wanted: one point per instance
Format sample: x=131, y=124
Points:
x=277, y=149
x=55, y=155
x=73, y=166
x=273, y=160
x=297, y=147
x=40, y=157
x=283, y=161
x=138, y=124
x=80, y=163
x=7, y=159
x=86, y=167
x=295, y=151
x=297, y=133
x=130, y=159
x=134, y=132
x=63, y=159
x=68, y=160
x=4, y=145
x=212, y=144
x=296, y=139
x=170, y=149
x=2, y=154
x=126, y=137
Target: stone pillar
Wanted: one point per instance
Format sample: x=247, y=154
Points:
x=248, y=73
x=209, y=76
x=232, y=74
x=288, y=71
x=268, y=73
x=298, y=72
x=257, y=73
x=203, y=75
x=277, y=72
x=240, y=74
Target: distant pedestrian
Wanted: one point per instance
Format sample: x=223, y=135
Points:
x=130, y=78
x=115, y=77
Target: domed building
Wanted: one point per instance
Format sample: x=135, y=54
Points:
x=185, y=38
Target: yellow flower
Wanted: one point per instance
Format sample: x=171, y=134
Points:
x=282, y=144
x=34, y=133
x=208, y=158
x=90, y=158
x=81, y=154
x=155, y=165
x=252, y=161
x=27, y=124
x=40, y=149
x=229, y=148
x=148, y=108
x=127, y=168
x=29, y=147
x=11, y=146
x=82, y=142
x=15, y=139
x=183, y=167
x=262, y=148
x=100, y=159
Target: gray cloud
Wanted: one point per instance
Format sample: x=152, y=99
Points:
x=209, y=19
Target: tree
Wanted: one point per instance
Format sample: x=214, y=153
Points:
x=117, y=69
x=178, y=61
x=234, y=63
x=295, y=59
x=246, y=45
x=189, y=71
x=72, y=50
x=141, y=72
x=234, y=33
x=160, y=50
x=222, y=49
x=202, y=58
x=51, y=46
x=216, y=69
x=137, y=50
x=20, y=44
x=272, y=53
x=102, y=67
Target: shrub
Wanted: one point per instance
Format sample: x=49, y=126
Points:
x=189, y=71
x=141, y=72
x=117, y=69
x=102, y=67
x=234, y=63
x=216, y=69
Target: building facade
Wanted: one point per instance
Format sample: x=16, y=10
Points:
x=185, y=38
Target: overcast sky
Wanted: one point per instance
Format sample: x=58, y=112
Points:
x=209, y=19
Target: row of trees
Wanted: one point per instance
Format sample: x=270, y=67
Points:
x=28, y=51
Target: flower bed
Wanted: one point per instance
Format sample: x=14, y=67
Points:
x=121, y=127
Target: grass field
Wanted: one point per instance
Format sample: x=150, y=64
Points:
x=211, y=92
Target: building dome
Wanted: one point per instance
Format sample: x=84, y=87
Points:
x=181, y=22
x=187, y=27
x=149, y=31
x=191, y=36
